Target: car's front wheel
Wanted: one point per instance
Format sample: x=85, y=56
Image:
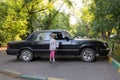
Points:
x=26, y=55
x=88, y=55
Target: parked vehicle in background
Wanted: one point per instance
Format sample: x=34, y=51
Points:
x=37, y=45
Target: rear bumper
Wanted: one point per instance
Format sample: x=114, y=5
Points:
x=12, y=51
x=104, y=52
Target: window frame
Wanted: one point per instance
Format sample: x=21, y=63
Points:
x=41, y=34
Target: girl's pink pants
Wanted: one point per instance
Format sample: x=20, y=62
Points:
x=52, y=54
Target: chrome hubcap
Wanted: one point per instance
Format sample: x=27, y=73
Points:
x=87, y=55
x=26, y=55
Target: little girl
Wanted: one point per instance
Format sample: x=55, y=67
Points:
x=52, y=47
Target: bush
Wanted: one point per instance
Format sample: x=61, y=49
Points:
x=2, y=44
x=115, y=50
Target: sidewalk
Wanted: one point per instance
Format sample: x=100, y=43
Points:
x=5, y=77
x=3, y=48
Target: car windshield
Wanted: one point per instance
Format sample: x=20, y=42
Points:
x=31, y=36
x=67, y=34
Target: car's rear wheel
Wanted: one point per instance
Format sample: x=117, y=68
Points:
x=26, y=55
x=88, y=55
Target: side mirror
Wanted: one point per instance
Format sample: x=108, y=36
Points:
x=67, y=38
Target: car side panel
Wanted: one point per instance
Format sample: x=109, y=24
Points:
x=40, y=48
x=65, y=47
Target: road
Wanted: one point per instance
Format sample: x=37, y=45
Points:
x=70, y=68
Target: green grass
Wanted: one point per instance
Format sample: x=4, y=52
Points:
x=115, y=50
x=116, y=57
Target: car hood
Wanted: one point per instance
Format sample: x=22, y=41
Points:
x=85, y=39
x=88, y=40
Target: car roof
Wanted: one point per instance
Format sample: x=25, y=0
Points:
x=49, y=31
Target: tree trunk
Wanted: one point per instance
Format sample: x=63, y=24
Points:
x=109, y=33
x=118, y=33
x=104, y=36
x=88, y=30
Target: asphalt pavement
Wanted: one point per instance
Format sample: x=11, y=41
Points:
x=67, y=68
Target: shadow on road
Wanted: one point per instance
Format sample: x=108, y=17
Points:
x=60, y=59
x=8, y=58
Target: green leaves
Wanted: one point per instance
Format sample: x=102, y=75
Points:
x=101, y=18
x=18, y=18
x=12, y=22
x=106, y=14
x=61, y=21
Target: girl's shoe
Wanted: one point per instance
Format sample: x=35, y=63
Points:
x=50, y=62
x=53, y=61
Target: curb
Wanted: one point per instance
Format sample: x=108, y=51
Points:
x=55, y=79
x=10, y=73
x=115, y=64
x=28, y=77
x=23, y=76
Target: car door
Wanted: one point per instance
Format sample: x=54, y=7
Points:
x=41, y=44
x=73, y=46
x=65, y=46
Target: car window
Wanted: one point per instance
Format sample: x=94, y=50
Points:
x=43, y=36
x=59, y=35
x=68, y=35
x=31, y=36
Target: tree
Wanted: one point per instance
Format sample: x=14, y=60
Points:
x=61, y=21
x=106, y=16
x=86, y=19
x=19, y=18
x=42, y=17
x=80, y=30
x=101, y=17
x=12, y=21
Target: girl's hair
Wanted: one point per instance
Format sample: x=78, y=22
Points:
x=53, y=35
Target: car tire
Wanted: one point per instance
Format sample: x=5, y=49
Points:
x=18, y=57
x=88, y=55
x=26, y=55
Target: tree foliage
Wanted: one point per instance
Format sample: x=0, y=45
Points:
x=12, y=21
x=106, y=16
x=18, y=18
x=101, y=18
x=61, y=21
x=42, y=17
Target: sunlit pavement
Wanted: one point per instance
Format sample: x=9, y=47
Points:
x=70, y=68
x=5, y=77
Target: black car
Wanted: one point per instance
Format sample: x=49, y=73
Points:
x=37, y=45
